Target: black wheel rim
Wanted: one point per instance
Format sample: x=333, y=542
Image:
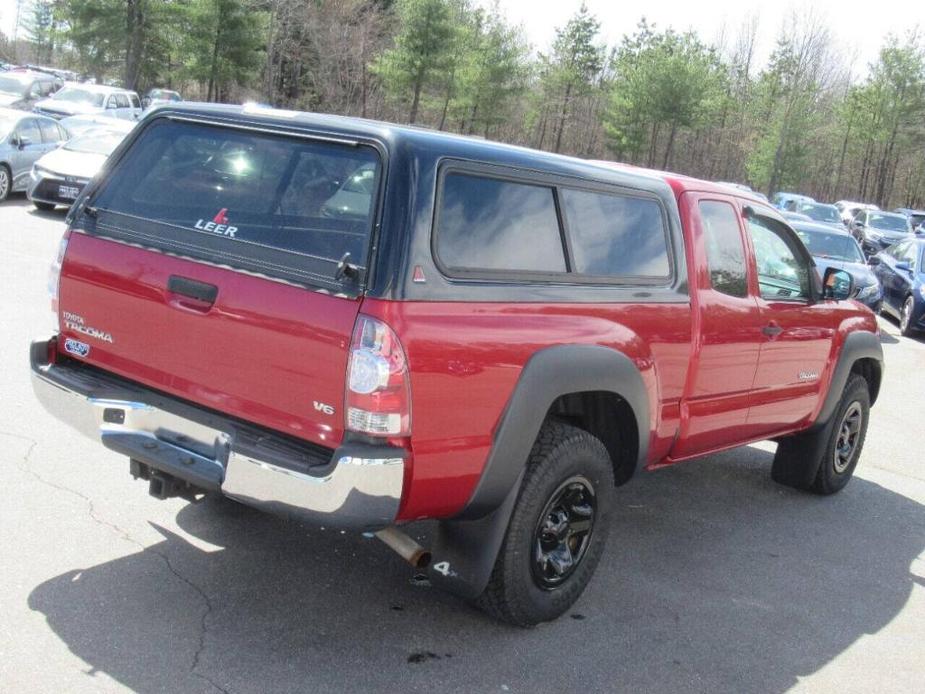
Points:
x=563, y=533
x=849, y=432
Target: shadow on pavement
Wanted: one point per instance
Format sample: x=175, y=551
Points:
x=890, y=339
x=715, y=579
x=20, y=200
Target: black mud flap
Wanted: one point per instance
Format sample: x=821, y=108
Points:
x=798, y=457
x=464, y=551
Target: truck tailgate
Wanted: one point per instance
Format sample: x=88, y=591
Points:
x=264, y=351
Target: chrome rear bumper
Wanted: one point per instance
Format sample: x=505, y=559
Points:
x=358, y=485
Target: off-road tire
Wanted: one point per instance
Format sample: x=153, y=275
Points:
x=561, y=454
x=827, y=451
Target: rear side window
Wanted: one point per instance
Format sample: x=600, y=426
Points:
x=30, y=129
x=616, y=236
x=261, y=201
x=495, y=225
x=725, y=252
x=50, y=132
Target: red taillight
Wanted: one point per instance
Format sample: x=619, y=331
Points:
x=378, y=400
x=54, y=272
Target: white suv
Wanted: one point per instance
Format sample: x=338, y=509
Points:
x=86, y=99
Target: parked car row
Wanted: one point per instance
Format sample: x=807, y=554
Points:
x=22, y=90
x=49, y=161
x=882, y=250
x=59, y=176
x=56, y=93
x=24, y=137
x=84, y=99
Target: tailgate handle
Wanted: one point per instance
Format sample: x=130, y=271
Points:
x=194, y=289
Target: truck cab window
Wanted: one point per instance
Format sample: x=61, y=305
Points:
x=783, y=272
x=723, y=242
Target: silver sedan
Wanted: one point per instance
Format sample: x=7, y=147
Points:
x=24, y=137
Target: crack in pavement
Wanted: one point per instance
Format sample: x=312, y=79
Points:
x=124, y=534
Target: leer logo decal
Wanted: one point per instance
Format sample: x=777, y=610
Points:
x=218, y=225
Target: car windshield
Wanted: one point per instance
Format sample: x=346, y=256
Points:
x=820, y=213
x=10, y=84
x=832, y=245
x=95, y=142
x=890, y=222
x=75, y=94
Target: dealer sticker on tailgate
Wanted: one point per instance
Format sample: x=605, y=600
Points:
x=81, y=349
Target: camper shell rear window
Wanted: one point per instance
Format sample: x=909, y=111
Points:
x=287, y=206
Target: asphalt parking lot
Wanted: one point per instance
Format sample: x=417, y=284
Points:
x=715, y=579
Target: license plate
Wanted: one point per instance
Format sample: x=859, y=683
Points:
x=68, y=192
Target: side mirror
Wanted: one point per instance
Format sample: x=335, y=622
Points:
x=904, y=266
x=837, y=284
x=857, y=224
x=873, y=260
x=22, y=141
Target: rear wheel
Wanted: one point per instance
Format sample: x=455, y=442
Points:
x=44, y=206
x=905, y=317
x=557, y=531
x=6, y=182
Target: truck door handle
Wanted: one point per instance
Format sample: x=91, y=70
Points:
x=192, y=289
x=772, y=329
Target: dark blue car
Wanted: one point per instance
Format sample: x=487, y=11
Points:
x=901, y=270
x=833, y=247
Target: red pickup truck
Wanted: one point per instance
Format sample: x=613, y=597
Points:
x=363, y=325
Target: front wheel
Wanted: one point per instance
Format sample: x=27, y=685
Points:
x=823, y=461
x=557, y=530
x=6, y=182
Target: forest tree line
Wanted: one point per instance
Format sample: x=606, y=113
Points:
x=806, y=120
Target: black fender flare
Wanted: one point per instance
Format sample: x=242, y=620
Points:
x=856, y=346
x=466, y=547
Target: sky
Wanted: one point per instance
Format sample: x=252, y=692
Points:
x=859, y=26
